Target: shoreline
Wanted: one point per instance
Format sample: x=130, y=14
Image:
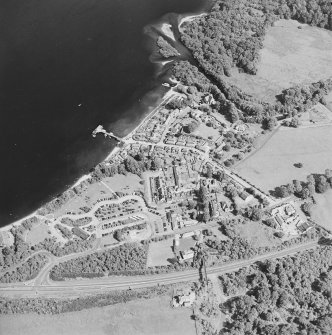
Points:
x=114, y=151
x=189, y=18
x=165, y=28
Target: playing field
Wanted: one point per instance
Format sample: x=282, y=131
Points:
x=273, y=164
x=290, y=56
x=141, y=317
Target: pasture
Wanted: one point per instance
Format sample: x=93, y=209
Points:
x=273, y=164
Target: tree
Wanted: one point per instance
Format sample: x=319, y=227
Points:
x=322, y=184
x=191, y=127
x=307, y=208
x=328, y=173
x=311, y=179
x=191, y=204
x=227, y=147
x=305, y=194
x=233, y=113
x=206, y=213
x=257, y=214
x=203, y=194
x=295, y=122
x=269, y=123
x=311, y=188
x=165, y=49
x=297, y=186
x=290, y=188
x=209, y=171
x=282, y=192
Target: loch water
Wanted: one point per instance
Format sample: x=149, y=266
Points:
x=65, y=67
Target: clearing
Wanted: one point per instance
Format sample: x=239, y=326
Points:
x=207, y=132
x=258, y=234
x=290, y=56
x=273, y=164
x=322, y=210
x=37, y=233
x=127, y=184
x=160, y=252
x=141, y=317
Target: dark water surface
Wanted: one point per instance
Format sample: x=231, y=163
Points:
x=65, y=67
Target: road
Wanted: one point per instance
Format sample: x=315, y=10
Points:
x=77, y=287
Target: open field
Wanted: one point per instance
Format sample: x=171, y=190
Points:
x=126, y=184
x=37, y=233
x=86, y=199
x=322, y=211
x=258, y=234
x=205, y=131
x=273, y=164
x=290, y=56
x=141, y=317
x=159, y=252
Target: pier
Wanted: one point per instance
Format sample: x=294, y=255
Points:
x=100, y=129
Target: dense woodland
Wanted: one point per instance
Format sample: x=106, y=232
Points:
x=28, y=270
x=126, y=258
x=286, y=296
x=165, y=49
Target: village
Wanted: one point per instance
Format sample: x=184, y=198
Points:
x=189, y=190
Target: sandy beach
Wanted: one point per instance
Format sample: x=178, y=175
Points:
x=166, y=29
x=189, y=18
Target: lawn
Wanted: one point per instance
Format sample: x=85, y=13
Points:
x=126, y=184
x=86, y=199
x=290, y=56
x=273, y=164
x=141, y=317
x=159, y=252
x=322, y=211
x=205, y=131
x=37, y=233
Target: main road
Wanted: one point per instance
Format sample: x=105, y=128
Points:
x=72, y=288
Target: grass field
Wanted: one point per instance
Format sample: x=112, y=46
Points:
x=290, y=56
x=126, y=184
x=37, y=233
x=322, y=211
x=141, y=317
x=257, y=234
x=273, y=164
x=159, y=252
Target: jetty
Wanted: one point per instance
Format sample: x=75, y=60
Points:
x=100, y=129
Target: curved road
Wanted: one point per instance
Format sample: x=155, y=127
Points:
x=43, y=287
